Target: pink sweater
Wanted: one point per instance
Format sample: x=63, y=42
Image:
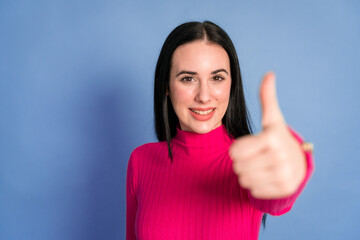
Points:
x=198, y=195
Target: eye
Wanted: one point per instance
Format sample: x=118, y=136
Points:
x=187, y=79
x=218, y=78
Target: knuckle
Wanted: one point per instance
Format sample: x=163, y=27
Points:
x=255, y=193
x=232, y=152
x=268, y=137
x=284, y=181
x=244, y=181
x=272, y=141
x=284, y=173
x=280, y=155
x=235, y=168
x=287, y=189
x=240, y=181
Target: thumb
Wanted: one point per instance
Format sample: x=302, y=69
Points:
x=271, y=113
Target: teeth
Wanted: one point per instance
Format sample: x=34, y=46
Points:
x=202, y=112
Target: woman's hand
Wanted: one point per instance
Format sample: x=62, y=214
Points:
x=270, y=164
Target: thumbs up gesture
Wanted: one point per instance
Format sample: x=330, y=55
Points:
x=270, y=164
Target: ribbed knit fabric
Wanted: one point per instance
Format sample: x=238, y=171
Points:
x=197, y=196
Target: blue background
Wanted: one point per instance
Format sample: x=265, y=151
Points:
x=76, y=83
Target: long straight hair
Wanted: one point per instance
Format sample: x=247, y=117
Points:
x=236, y=119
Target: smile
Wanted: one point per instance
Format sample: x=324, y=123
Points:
x=203, y=114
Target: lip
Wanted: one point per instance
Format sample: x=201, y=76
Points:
x=202, y=117
x=203, y=109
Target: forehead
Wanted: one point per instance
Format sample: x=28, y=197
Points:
x=200, y=55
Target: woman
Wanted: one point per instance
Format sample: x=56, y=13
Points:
x=208, y=177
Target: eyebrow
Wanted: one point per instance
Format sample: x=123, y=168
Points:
x=194, y=73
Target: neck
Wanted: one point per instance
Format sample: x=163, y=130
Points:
x=195, y=144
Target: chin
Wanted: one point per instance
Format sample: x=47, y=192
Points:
x=203, y=128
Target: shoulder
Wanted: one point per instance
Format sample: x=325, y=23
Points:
x=145, y=157
x=148, y=151
x=148, y=148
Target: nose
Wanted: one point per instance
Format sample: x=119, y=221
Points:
x=203, y=93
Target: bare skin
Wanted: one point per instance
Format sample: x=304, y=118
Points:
x=270, y=164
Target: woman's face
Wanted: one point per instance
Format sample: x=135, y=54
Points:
x=200, y=82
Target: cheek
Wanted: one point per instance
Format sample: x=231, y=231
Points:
x=223, y=94
x=181, y=97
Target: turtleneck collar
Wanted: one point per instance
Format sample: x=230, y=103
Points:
x=194, y=144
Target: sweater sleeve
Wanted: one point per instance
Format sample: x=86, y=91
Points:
x=131, y=201
x=280, y=206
